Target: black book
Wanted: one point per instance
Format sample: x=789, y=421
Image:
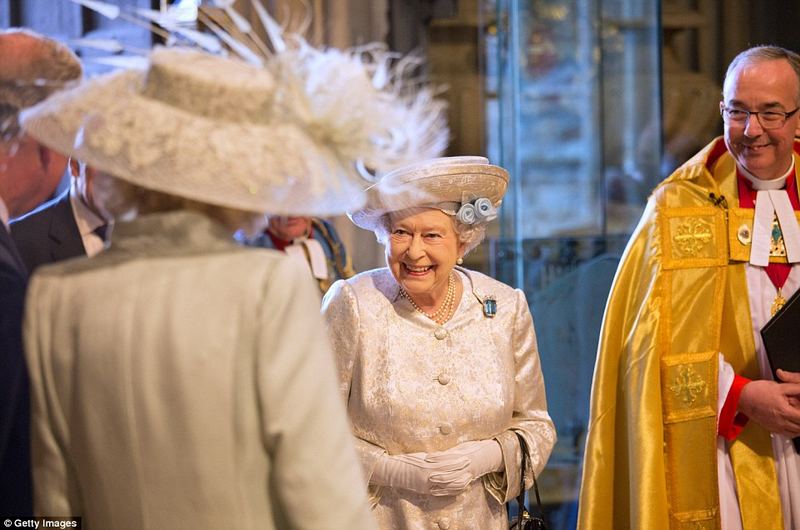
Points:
x=781, y=337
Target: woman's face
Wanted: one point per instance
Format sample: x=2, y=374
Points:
x=422, y=249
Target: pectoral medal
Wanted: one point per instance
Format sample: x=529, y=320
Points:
x=777, y=304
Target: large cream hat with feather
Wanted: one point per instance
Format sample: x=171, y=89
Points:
x=332, y=120
x=198, y=126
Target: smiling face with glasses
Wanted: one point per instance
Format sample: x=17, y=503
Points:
x=769, y=119
x=760, y=112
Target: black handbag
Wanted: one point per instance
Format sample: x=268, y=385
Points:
x=526, y=520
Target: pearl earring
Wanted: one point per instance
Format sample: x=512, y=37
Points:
x=460, y=261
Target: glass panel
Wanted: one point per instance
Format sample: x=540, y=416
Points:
x=576, y=120
x=630, y=82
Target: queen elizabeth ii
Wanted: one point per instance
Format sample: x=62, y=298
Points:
x=438, y=364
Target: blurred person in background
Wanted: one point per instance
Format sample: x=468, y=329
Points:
x=313, y=241
x=71, y=225
x=31, y=68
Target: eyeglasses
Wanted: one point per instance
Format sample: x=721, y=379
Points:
x=769, y=119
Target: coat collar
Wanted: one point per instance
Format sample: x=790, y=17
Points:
x=178, y=232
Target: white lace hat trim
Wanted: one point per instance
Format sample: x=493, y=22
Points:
x=201, y=127
x=444, y=183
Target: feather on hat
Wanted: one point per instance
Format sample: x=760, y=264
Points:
x=198, y=126
x=355, y=108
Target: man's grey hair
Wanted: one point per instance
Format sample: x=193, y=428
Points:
x=758, y=54
x=32, y=67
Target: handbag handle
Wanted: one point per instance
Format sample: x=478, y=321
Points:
x=523, y=446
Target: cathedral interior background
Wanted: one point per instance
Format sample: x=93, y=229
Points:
x=588, y=103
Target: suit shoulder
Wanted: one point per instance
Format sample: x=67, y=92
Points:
x=40, y=217
x=32, y=223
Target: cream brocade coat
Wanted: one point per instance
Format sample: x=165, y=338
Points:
x=414, y=386
x=179, y=380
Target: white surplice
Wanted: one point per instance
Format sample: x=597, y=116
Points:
x=761, y=294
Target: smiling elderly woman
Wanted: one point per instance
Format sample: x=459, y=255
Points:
x=438, y=364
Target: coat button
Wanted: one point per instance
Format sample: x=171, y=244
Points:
x=445, y=428
x=443, y=378
x=443, y=523
x=440, y=333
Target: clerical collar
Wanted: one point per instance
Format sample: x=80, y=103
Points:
x=774, y=184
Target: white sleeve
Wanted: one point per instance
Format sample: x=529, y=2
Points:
x=724, y=384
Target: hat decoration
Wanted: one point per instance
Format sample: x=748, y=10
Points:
x=360, y=108
x=197, y=126
x=480, y=210
x=277, y=127
x=467, y=187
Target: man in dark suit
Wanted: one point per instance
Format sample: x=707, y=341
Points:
x=31, y=67
x=66, y=227
x=15, y=487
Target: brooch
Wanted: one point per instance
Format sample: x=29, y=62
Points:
x=743, y=234
x=489, y=307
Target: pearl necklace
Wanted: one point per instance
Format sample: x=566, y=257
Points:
x=441, y=315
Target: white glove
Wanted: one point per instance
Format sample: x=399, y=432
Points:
x=411, y=471
x=472, y=460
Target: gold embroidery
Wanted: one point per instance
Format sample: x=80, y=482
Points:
x=692, y=236
x=776, y=246
x=696, y=520
x=688, y=385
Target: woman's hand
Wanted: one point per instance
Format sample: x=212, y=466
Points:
x=473, y=460
x=412, y=472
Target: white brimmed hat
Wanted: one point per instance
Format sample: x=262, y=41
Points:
x=201, y=127
x=336, y=119
x=468, y=187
